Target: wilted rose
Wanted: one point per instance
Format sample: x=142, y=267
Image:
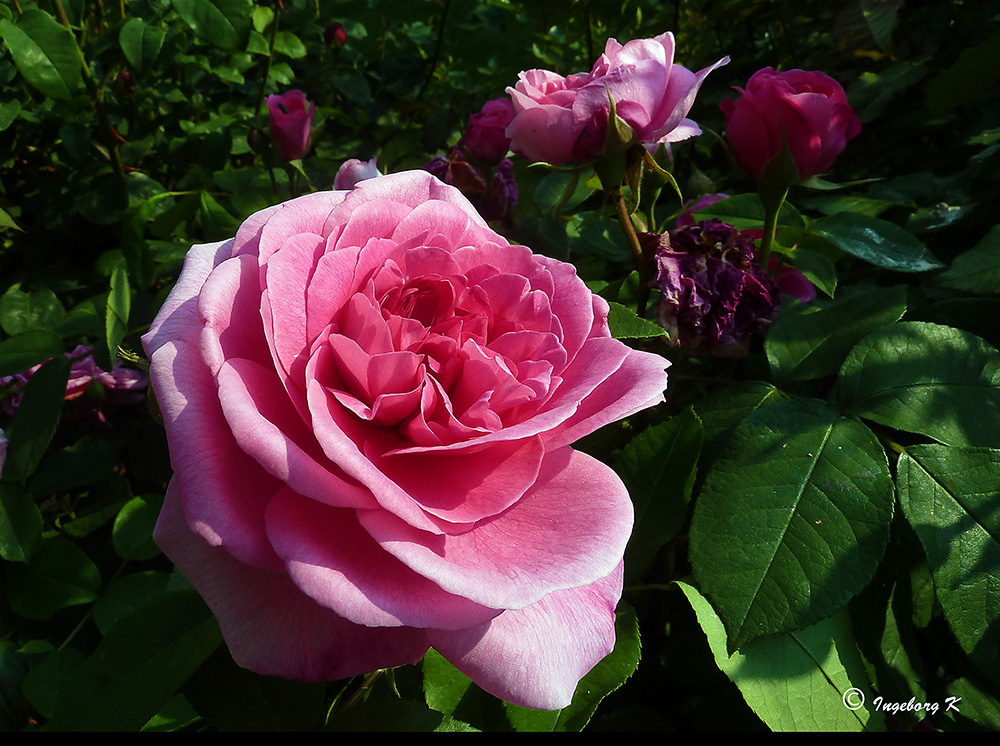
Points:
x=486, y=140
x=713, y=293
x=561, y=119
x=369, y=399
x=807, y=110
x=290, y=117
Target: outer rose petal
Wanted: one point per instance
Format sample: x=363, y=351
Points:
x=270, y=626
x=535, y=657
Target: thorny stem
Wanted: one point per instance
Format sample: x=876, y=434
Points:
x=639, y=261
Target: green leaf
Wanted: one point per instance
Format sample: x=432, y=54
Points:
x=24, y=350
x=233, y=699
x=43, y=682
x=36, y=420
x=45, y=53
x=138, y=666
x=876, y=241
x=818, y=269
x=89, y=460
x=973, y=74
x=289, y=45
x=951, y=497
x=797, y=681
x=792, y=520
x=119, y=305
x=923, y=378
x=126, y=594
x=140, y=42
x=221, y=23
x=57, y=575
x=21, y=312
x=976, y=270
x=809, y=341
x=627, y=324
x=391, y=715
x=745, y=211
x=6, y=221
x=659, y=468
x=132, y=535
x=444, y=685
x=607, y=676
x=20, y=524
x=721, y=412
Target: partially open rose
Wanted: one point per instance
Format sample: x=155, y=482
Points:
x=369, y=398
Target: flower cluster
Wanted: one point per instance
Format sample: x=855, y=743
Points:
x=560, y=119
x=713, y=293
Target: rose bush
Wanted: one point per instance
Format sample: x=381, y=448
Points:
x=561, y=119
x=290, y=117
x=807, y=109
x=370, y=398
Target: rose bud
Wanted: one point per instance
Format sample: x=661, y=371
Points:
x=561, y=119
x=353, y=171
x=486, y=140
x=334, y=35
x=713, y=294
x=370, y=399
x=290, y=117
x=807, y=111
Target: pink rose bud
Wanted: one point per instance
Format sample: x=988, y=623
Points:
x=290, y=117
x=353, y=171
x=805, y=109
x=486, y=140
x=370, y=399
x=334, y=35
x=561, y=119
x=713, y=293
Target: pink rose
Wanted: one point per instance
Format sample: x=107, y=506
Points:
x=562, y=119
x=486, y=140
x=290, y=117
x=809, y=109
x=352, y=171
x=370, y=398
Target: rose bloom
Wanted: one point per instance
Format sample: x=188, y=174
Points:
x=369, y=398
x=808, y=109
x=561, y=119
x=486, y=140
x=290, y=117
x=713, y=293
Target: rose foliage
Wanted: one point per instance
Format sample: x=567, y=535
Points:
x=370, y=398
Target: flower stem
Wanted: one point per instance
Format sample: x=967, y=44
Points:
x=772, y=198
x=641, y=262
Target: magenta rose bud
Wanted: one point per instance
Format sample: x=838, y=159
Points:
x=370, y=399
x=353, y=171
x=290, y=117
x=806, y=109
x=485, y=140
x=713, y=293
x=334, y=34
x=561, y=119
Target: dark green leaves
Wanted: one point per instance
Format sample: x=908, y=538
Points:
x=923, y=378
x=221, y=23
x=792, y=520
x=141, y=42
x=45, y=53
x=878, y=242
x=808, y=341
x=978, y=269
x=951, y=497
